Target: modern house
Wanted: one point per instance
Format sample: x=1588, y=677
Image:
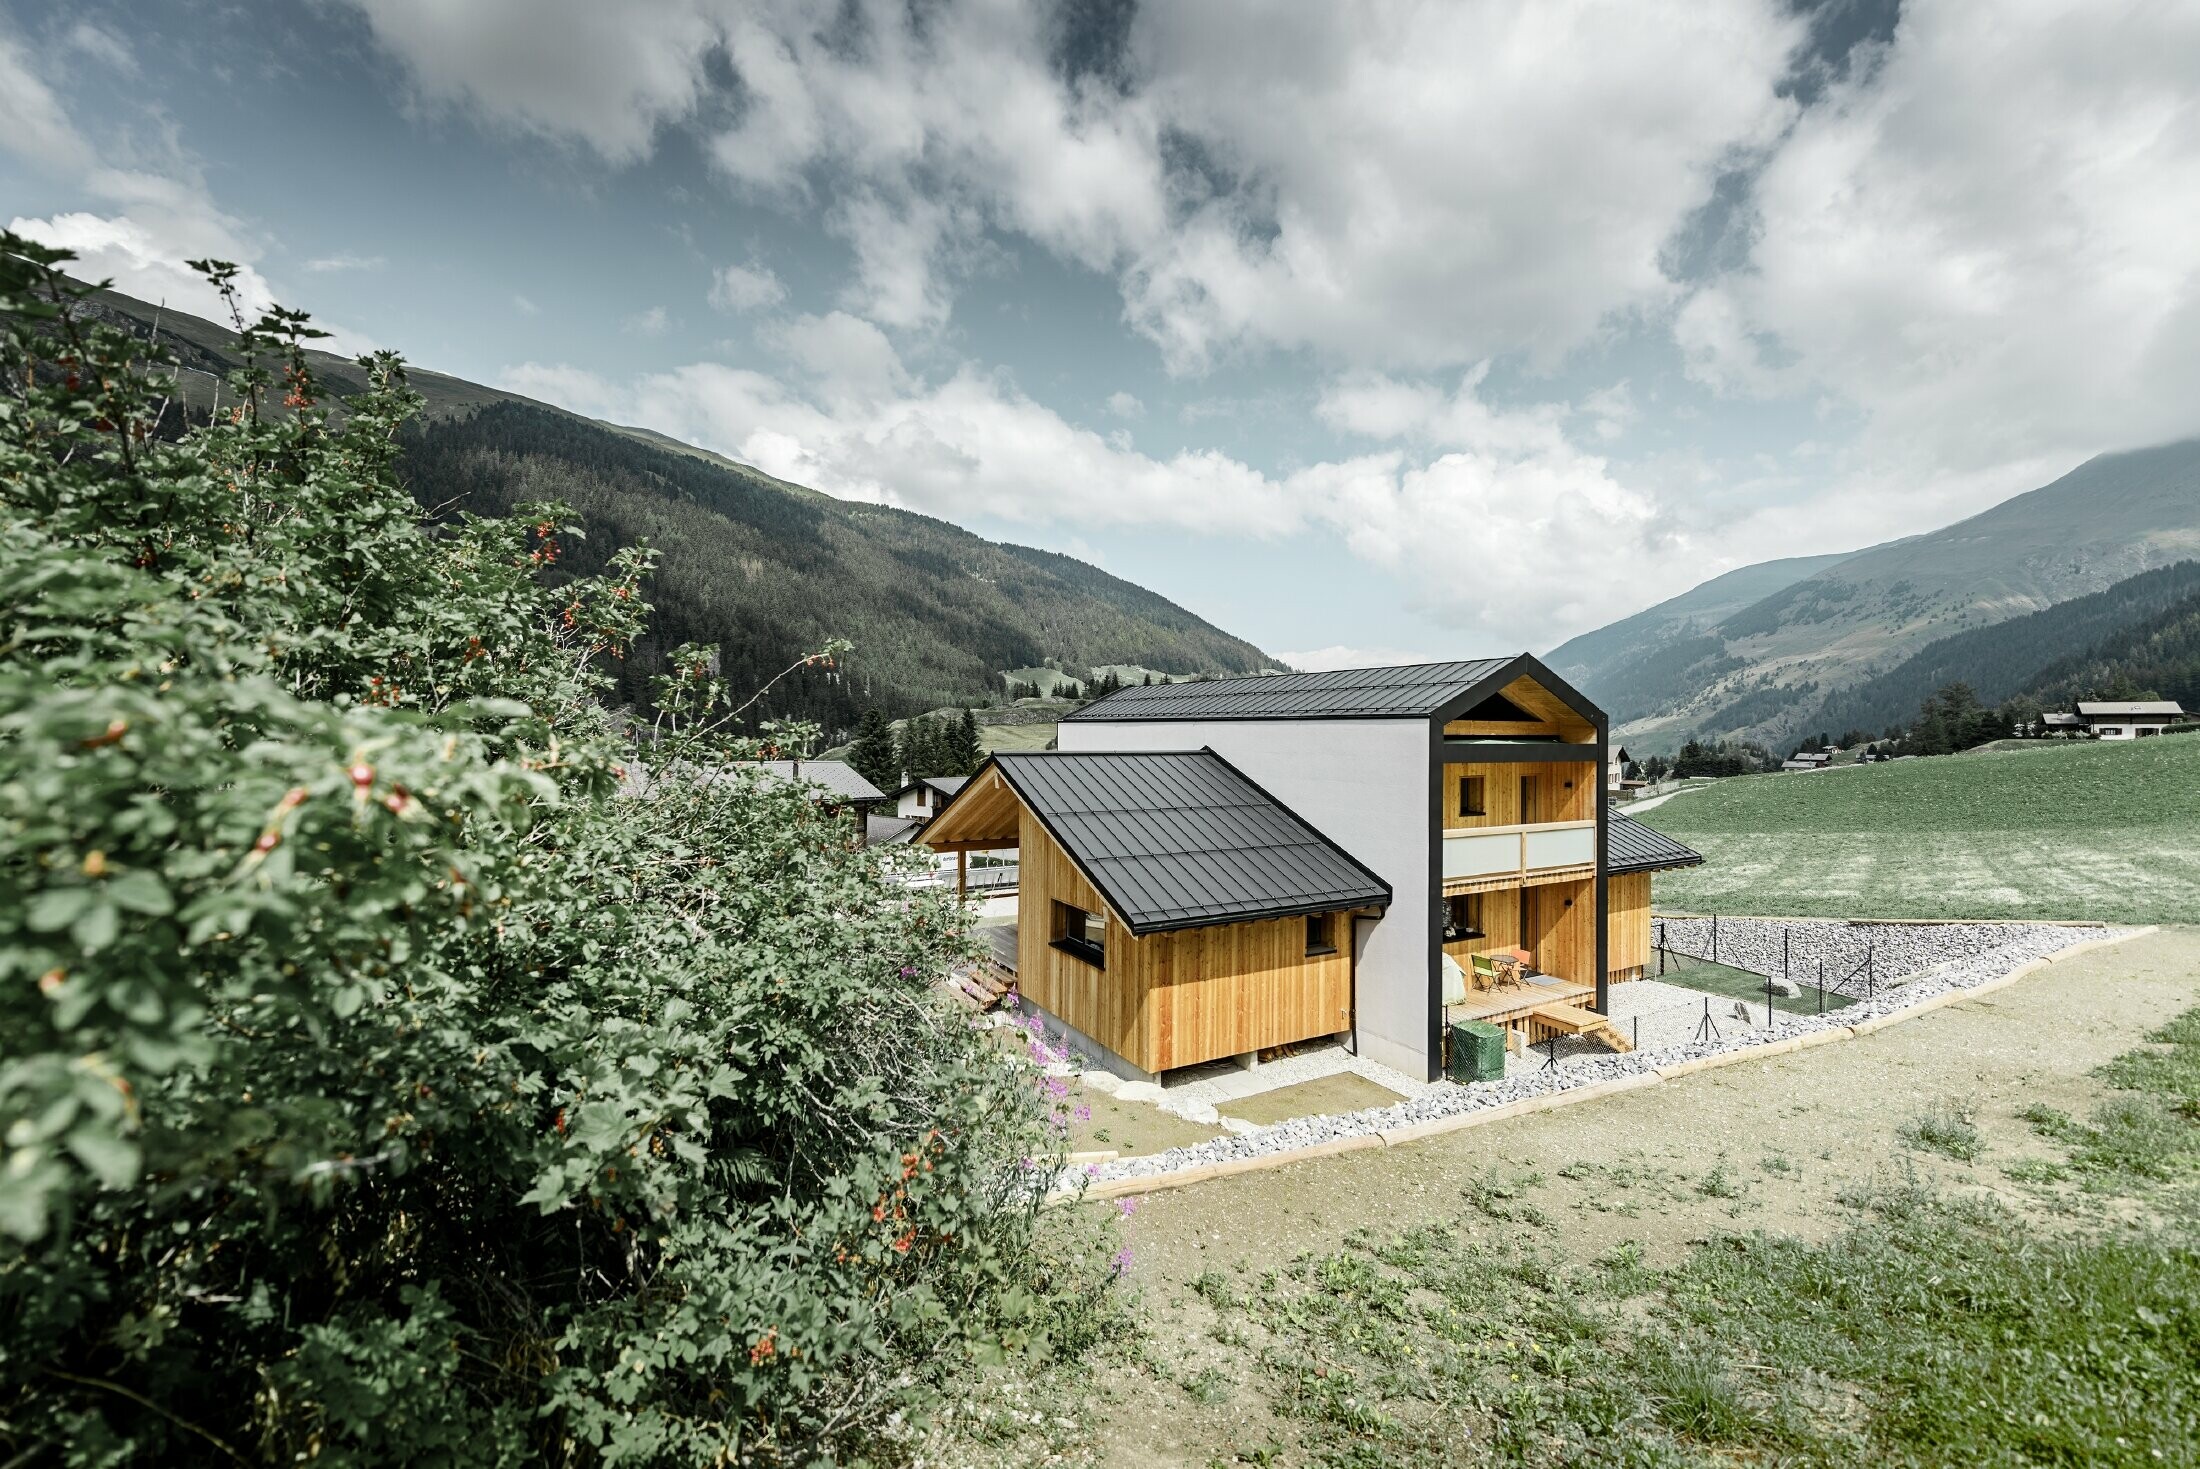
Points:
x=2128, y=719
x=1211, y=869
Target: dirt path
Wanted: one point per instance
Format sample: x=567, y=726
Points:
x=1768, y=1144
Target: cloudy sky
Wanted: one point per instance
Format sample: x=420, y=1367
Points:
x=1369, y=332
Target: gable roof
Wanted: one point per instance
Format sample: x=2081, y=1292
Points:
x=1180, y=840
x=2124, y=708
x=837, y=781
x=1629, y=846
x=837, y=777
x=889, y=831
x=1414, y=690
x=946, y=785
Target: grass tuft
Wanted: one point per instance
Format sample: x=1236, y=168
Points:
x=1949, y=1129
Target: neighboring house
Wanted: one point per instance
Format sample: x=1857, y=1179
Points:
x=890, y=831
x=922, y=797
x=1214, y=868
x=2128, y=720
x=1619, y=774
x=1808, y=760
x=834, y=785
x=2067, y=726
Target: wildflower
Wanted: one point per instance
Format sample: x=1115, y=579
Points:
x=1083, y=1114
x=1121, y=1264
x=1128, y=1204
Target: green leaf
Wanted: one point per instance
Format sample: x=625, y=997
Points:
x=141, y=892
x=112, y=1159
x=97, y=927
x=56, y=908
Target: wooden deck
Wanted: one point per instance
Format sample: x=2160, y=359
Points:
x=1509, y=1004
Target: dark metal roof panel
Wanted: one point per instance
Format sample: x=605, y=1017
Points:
x=1629, y=846
x=1409, y=691
x=1179, y=839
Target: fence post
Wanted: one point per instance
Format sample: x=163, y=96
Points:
x=1638, y=1033
x=1785, y=935
x=1714, y=938
x=1821, y=986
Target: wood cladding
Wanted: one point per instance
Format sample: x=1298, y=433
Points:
x=1505, y=799
x=1178, y=998
x=1560, y=936
x=1628, y=947
x=1547, y=715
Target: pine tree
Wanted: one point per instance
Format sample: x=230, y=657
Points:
x=963, y=750
x=912, y=752
x=872, y=754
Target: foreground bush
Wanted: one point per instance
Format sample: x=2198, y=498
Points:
x=377, y=1082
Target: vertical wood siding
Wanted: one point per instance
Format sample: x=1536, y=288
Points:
x=1629, y=945
x=1501, y=792
x=1179, y=998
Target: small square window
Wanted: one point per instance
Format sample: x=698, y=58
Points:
x=1321, y=933
x=1082, y=934
x=1470, y=796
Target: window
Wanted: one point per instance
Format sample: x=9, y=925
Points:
x=1321, y=934
x=1531, y=806
x=1463, y=918
x=1470, y=796
x=1082, y=934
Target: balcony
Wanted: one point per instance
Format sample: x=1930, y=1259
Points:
x=1539, y=852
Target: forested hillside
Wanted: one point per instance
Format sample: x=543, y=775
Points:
x=1763, y=671
x=764, y=570
x=2145, y=630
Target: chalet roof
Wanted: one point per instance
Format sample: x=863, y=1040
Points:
x=946, y=785
x=1406, y=691
x=836, y=781
x=2126, y=708
x=1178, y=840
x=889, y=831
x=837, y=777
x=1629, y=846
x=2061, y=721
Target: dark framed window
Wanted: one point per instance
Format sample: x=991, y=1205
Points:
x=1321, y=933
x=1082, y=934
x=1470, y=796
x=1463, y=918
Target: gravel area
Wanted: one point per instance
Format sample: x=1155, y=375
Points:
x=1912, y=962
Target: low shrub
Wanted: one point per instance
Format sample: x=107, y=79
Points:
x=399, y=1061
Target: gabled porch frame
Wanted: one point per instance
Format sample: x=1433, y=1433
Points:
x=1448, y=749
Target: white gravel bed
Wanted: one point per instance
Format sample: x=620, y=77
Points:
x=1938, y=958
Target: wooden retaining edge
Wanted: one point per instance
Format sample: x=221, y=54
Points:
x=1436, y=1126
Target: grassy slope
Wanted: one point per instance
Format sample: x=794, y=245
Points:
x=2089, y=830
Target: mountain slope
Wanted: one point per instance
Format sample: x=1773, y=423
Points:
x=765, y=570
x=2104, y=632
x=1762, y=671
x=1629, y=665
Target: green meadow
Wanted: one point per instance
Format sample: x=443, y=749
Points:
x=2087, y=830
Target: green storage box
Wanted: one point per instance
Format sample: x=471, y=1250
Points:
x=1477, y=1051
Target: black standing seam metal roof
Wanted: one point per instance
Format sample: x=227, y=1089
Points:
x=1410, y=691
x=1629, y=846
x=1183, y=839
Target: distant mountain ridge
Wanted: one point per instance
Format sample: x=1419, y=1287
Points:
x=763, y=569
x=2059, y=653
x=1766, y=669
